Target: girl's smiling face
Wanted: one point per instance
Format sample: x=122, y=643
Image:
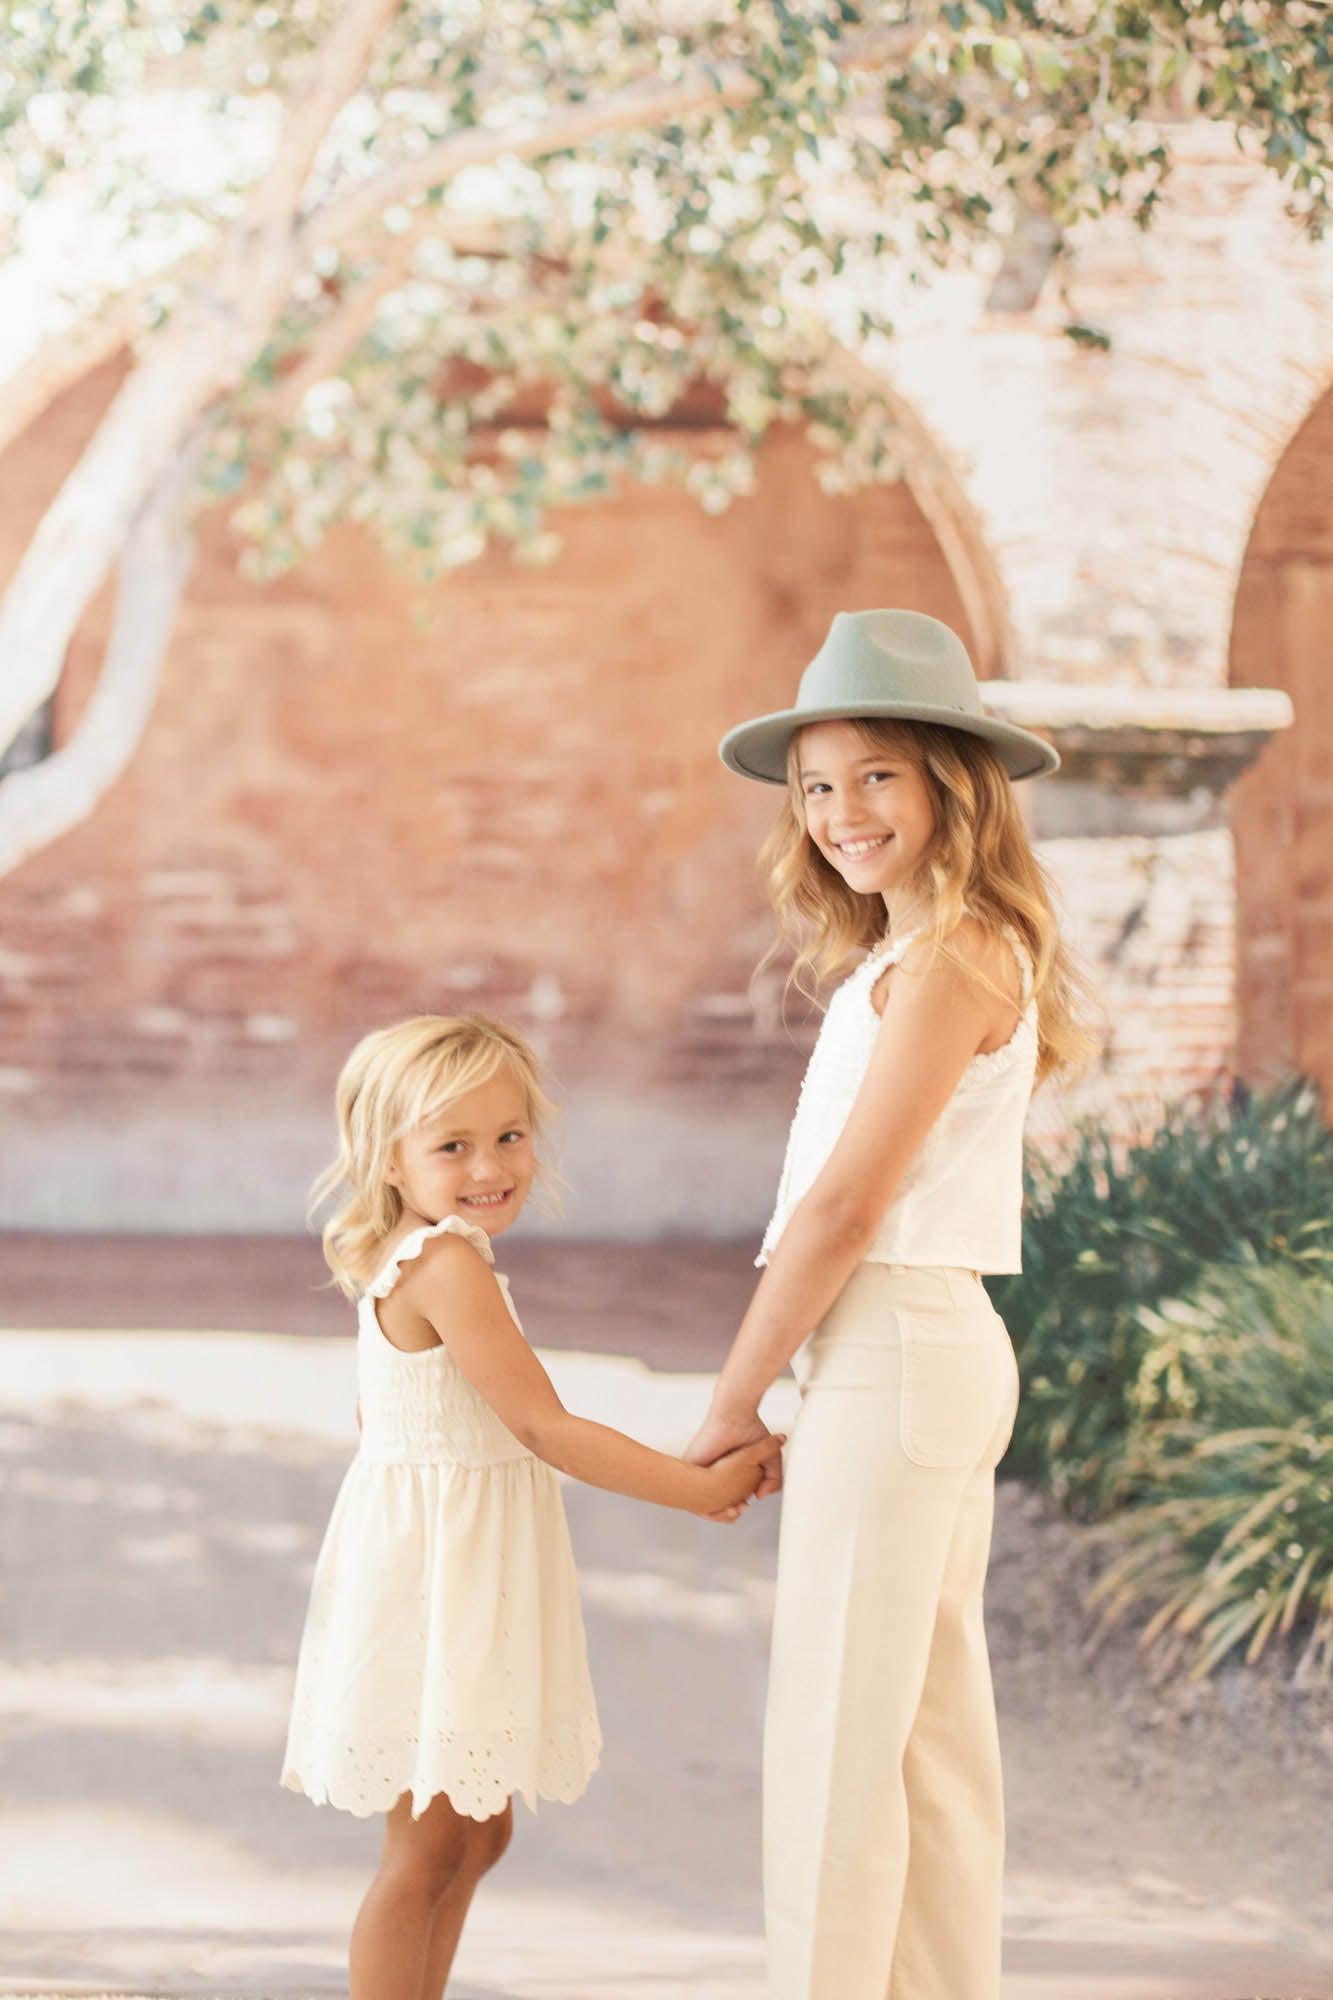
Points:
x=474, y=1158
x=867, y=808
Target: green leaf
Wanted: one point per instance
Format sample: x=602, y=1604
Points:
x=1049, y=66
x=1092, y=337
x=1007, y=57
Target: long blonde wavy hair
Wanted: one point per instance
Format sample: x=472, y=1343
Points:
x=979, y=859
x=394, y=1080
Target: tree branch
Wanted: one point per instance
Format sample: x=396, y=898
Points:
x=64, y=358
x=640, y=106
x=343, y=56
x=42, y=801
x=344, y=329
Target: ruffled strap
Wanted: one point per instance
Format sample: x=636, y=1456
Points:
x=890, y=949
x=1024, y=962
x=411, y=1246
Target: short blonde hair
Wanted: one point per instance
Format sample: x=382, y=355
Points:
x=979, y=859
x=394, y=1080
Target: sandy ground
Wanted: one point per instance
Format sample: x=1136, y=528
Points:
x=165, y=1494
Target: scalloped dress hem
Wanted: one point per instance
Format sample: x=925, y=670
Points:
x=462, y=1797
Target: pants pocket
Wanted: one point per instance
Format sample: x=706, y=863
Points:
x=956, y=1377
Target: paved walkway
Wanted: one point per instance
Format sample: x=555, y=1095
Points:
x=166, y=1493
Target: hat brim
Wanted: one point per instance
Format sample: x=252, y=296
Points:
x=758, y=749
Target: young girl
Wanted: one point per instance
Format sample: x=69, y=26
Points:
x=442, y=1666
x=900, y=837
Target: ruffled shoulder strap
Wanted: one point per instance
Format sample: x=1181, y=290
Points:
x=1024, y=960
x=890, y=949
x=411, y=1246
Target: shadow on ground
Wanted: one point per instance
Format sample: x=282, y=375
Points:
x=1166, y=1844
x=144, y=1549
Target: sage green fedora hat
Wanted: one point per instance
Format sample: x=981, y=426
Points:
x=892, y=665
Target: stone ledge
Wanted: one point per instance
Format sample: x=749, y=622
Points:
x=1051, y=706
x=1150, y=744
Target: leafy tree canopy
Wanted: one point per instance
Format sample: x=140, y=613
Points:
x=534, y=232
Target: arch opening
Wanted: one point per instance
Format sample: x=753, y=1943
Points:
x=1282, y=809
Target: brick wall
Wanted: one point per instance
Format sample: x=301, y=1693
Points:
x=1153, y=921
x=335, y=819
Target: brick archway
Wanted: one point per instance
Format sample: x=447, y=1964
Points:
x=1282, y=810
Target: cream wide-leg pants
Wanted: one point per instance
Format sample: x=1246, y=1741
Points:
x=883, y=1811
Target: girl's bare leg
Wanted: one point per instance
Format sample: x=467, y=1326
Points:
x=420, y=1862
x=487, y=1840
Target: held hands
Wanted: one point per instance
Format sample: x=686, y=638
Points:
x=745, y=1454
x=734, y=1478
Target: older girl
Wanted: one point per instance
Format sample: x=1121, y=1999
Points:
x=899, y=838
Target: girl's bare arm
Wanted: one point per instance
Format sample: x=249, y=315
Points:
x=456, y=1292
x=934, y=1022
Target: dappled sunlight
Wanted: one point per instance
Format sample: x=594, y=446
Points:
x=647, y=1595
x=270, y=1384
x=167, y=1495
x=79, y=1490
x=138, y=1868
x=162, y=1552
x=265, y=1381
x=215, y=1699
x=595, y=1944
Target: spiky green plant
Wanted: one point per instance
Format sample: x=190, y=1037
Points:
x=1229, y=1538
x=1109, y=1233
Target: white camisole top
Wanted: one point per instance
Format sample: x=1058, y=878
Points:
x=960, y=1201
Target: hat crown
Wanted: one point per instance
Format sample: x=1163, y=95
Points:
x=890, y=666
x=890, y=656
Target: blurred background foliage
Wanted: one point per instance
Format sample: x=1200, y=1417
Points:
x=1174, y=1330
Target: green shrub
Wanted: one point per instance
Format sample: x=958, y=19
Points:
x=1229, y=1536
x=1109, y=1233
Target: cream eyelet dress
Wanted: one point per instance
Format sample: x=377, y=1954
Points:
x=883, y=1809
x=443, y=1648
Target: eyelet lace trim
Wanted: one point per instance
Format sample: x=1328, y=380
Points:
x=411, y=1246
x=478, y=1771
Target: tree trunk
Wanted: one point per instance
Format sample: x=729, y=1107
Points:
x=42, y=801
x=203, y=354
